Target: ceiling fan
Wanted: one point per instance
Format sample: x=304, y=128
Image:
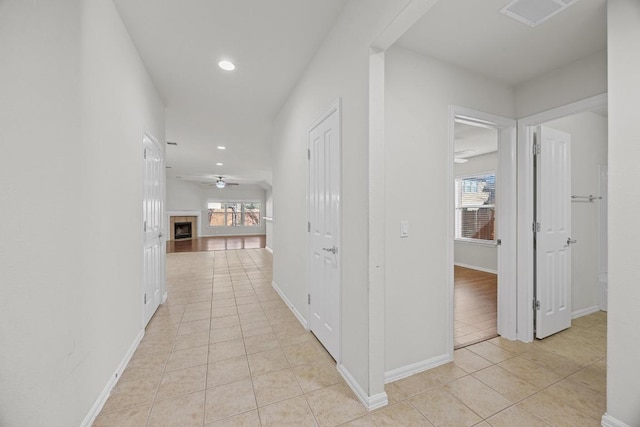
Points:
x=221, y=183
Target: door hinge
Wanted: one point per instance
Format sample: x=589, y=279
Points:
x=535, y=149
x=535, y=227
x=308, y=298
x=145, y=298
x=145, y=154
x=536, y=304
x=145, y=226
x=308, y=226
x=308, y=154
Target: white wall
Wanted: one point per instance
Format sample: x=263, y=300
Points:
x=573, y=82
x=191, y=196
x=339, y=70
x=184, y=196
x=623, y=347
x=482, y=256
x=419, y=91
x=75, y=102
x=588, y=150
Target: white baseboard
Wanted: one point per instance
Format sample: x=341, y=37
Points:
x=475, y=267
x=102, y=399
x=269, y=249
x=370, y=402
x=414, y=368
x=292, y=307
x=585, y=311
x=609, y=421
x=164, y=297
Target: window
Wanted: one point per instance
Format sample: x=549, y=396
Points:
x=233, y=214
x=475, y=200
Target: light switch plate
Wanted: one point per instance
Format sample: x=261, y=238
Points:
x=404, y=228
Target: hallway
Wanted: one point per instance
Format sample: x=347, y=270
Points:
x=224, y=350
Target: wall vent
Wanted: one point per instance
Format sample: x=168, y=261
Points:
x=535, y=12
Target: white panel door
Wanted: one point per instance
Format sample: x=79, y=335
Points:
x=153, y=215
x=324, y=230
x=553, y=238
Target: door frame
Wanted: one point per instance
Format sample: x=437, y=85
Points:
x=526, y=127
x=506, y=217
x=163, y=221
x=336, y=106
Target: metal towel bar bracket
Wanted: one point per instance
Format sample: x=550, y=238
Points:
x=589, y=198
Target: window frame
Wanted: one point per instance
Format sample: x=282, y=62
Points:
x=225, y=204
x=456, y=207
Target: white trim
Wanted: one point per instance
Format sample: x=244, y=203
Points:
x=370, y=402
x=269, y=249
x=609, y=421
x=292, y=307
x=164, y=297
x=376, y=262
x=477, y=242
x=415, y=368
x=506, y=216
x=169, y=214
x=585, y=311
x=475, y=267
x=106, y=392
x=525, y=204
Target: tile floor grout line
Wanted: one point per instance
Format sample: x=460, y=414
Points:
x=206, y=373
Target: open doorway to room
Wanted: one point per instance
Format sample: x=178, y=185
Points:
x=475, y=250
x=563, y=291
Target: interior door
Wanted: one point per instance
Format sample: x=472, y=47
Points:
x=553, y=236
x=153, y=215
x=324, y=230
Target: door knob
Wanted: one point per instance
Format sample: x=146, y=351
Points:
x=332, y=249
x=570, y=241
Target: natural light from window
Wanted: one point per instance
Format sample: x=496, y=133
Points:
x=475, y=197
x=234, y=214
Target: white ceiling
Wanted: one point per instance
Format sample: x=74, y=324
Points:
x=181, y=41
x=479, y=139
x=473, y=34
x=271, y=42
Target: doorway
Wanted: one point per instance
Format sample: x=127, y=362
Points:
x=475, y=249
x=585, y=123
x=482, y=152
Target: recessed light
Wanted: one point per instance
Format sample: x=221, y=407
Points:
x=226, y=65
x=219, y=164
x=220, y=147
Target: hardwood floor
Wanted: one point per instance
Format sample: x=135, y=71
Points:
x=475, y=306
x=217, y=243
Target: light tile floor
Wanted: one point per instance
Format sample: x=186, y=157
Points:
x=224, y=350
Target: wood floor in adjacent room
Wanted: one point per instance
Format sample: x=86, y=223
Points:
x=475, y=306
x=217, y=243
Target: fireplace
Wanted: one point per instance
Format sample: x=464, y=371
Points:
x=182, y=230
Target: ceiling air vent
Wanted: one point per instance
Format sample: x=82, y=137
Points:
x=535, y=12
